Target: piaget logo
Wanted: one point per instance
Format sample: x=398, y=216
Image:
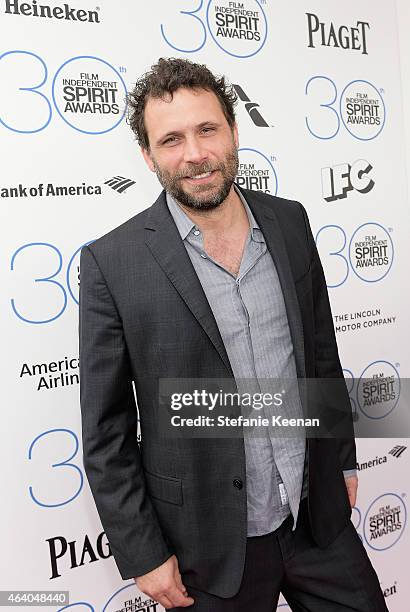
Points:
x=64, y=11
x=340, y=36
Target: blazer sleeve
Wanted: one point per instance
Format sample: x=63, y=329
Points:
x=326, y=352
x=111, y=455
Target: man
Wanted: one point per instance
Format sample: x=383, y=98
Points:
x=213, y=281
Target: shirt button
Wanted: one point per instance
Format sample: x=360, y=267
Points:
x=237, y=482
x=196, y=232
x=202, y=255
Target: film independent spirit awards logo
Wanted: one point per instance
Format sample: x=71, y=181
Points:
x=362, y=110
x=371, y=252
x=378, y=390
x=385, y=521
x=238, y=28
x=89, y=94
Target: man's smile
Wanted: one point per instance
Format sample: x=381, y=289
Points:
x=201, y=178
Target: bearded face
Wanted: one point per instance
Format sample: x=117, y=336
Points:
x=192, y=148
x=203, y=186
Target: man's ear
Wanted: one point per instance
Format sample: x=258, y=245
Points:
x=148, y=159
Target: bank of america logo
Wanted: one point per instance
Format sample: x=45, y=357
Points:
x=119, y=183
x=397, y=451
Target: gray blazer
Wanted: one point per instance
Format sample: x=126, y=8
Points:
x=144, y=316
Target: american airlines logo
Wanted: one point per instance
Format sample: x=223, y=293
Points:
x=65, y=11
x=251, y=108
x=397, y=451
x=119, y=183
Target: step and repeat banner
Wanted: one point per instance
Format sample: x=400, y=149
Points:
x=320, y=120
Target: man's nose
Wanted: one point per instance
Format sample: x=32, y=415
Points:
x=194, y=152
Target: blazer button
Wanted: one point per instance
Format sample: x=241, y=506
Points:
x=237, y=482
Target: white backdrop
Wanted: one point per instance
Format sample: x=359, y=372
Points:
x=64, y=141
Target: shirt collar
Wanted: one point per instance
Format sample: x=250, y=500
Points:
x=185, y=224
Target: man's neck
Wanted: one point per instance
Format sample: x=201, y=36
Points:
x=228, y=215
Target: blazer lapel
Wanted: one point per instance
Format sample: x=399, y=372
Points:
x=269, y=224
x=164, y=241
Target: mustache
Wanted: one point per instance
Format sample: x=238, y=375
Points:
x=200, y=169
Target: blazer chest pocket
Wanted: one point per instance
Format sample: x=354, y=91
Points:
x=165, y=488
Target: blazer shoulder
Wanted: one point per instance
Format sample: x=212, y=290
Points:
x=128, y=232
x=270, y=200
x=284, y=208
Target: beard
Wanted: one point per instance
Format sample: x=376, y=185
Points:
x=205, y=196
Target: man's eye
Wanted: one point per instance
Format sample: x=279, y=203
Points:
x=208, y=129
x=170, y=140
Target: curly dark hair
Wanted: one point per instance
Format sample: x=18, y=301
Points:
x=165, y=77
